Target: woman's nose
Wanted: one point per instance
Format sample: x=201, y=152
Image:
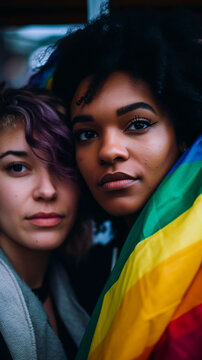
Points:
x=113, y=148
x=45, y=188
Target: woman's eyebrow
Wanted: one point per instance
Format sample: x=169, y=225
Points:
x=137, y=105
x=121, y=111
x=80, y=119
x=15, y=153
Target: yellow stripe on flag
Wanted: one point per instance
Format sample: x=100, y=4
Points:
x=153, y=258
x=143, y=317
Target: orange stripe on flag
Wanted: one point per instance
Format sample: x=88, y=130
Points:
x=147, y=307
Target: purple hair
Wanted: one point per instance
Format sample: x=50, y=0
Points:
x=43, y=115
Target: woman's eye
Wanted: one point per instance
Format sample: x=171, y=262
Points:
x=139, y=125
x=17, y=169
x=84, y=135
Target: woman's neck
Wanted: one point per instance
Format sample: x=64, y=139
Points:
x=130, y=220
x=31, y=265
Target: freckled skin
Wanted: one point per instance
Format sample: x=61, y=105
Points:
x=144, y=154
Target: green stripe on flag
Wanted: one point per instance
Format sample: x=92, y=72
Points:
x=174, y=196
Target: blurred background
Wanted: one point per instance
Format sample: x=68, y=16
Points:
x=28, y=29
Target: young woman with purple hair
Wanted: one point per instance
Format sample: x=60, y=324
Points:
x=40, y=317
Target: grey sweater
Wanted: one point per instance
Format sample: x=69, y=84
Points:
x=23, y=321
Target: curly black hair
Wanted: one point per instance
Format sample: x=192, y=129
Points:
x=162, y=49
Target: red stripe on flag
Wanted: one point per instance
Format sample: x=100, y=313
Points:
x=186, y=322
x=186, y=347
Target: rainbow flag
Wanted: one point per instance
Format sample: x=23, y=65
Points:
x=44, y=78
x=152, y=301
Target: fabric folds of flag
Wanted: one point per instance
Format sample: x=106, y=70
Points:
x=152, y=301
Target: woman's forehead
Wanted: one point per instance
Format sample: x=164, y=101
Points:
x=118, y=89
x=11, y=120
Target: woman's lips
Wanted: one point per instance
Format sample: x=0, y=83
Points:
x=116, y=181
x=45, y=219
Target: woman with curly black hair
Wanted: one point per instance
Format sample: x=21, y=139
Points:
x=132, y=87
